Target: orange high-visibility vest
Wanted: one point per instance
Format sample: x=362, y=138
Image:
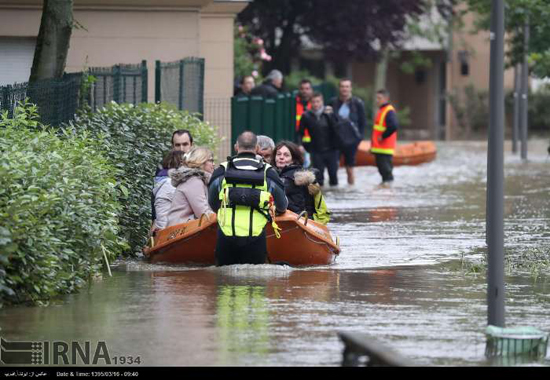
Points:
x=300, y=109
x=387, y=145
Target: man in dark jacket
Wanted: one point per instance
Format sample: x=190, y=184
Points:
x=270, y=87
x=242, y=191
x=349, y=107
x=319, y=121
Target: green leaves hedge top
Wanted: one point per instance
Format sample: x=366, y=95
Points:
x=58, y=209
x=135, y=138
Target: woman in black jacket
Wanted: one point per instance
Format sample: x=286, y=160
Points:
x=301, y=187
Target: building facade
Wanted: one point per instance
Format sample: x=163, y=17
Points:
x=128, y=31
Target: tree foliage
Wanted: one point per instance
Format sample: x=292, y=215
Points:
x=345, y=29
x=517, y=12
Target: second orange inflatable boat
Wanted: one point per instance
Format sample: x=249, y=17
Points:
x=302, y=242
x=415, y=153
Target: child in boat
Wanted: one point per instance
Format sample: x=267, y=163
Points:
x=301, y=186
x=190, y=181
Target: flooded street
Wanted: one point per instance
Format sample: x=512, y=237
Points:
x=406, y=276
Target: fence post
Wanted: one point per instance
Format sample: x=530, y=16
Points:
x=291, y=124
x=116, y=83
x=234, y=120
x=144, y=81
x=201, y=89
x=157, y=81
x=180, y=88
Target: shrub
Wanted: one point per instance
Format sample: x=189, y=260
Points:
x=135, y=139
x=58, y=209
x=538, y=110
x=471, y=108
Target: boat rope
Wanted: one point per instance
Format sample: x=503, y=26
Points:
x=106, y=260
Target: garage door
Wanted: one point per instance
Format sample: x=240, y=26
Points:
x=16, y=55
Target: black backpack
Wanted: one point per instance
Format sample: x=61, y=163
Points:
x=346, y=134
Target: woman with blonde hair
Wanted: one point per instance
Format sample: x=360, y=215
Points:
x=190, y=199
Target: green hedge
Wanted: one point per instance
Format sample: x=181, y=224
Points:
x=135, y=140
x=58, y=209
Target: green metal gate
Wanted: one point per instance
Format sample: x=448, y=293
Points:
x=275, y=117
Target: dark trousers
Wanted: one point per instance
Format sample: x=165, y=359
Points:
x=384, y=162
x=241, y=250
x=328, y=160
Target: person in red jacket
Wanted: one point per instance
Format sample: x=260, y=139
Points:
x=384, y=135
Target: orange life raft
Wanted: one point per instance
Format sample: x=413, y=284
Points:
x=302, y=242
x=415, y=153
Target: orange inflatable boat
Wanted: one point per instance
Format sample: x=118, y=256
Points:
x=415, y=153
x=192, y=243
x=302, y=242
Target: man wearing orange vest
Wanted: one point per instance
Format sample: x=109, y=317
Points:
x=303, y=103
x=384, y=135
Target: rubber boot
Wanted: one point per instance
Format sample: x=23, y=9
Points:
x=351, y=175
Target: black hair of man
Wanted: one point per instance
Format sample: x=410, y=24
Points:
x=305, y=81
x=180, y=132
x=244, y=78
x=247, y=141
x=384, y=92
x=344, y=80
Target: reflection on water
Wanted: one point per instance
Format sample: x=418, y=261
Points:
x=394, y=280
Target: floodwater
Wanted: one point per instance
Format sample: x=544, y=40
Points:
x=404, y=277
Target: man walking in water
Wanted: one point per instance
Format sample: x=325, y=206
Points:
x=349, y=107
x=384, y=136
x=243, y=192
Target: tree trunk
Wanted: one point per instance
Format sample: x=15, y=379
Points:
x=52, y=45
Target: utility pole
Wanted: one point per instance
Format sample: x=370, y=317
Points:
x=517, y=101
x=495, y=171
x=524, y=92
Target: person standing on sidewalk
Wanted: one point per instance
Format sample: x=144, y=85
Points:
x=384, y=135
x=349, y=107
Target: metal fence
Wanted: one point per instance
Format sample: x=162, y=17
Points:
x=125, y=83
x=273, y=117
x=217, y=112
x=57, y=99
x=181, y=83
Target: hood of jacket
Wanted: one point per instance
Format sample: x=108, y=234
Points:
x=184, y=174
x=304, y=177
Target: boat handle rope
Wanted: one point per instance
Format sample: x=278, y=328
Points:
x=205, y=215
x=304, y=214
